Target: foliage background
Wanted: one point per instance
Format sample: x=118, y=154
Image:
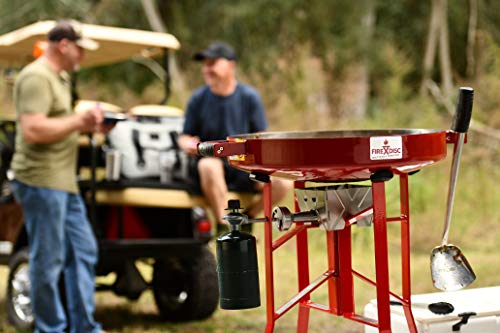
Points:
x=305, y=55
x=322, y=64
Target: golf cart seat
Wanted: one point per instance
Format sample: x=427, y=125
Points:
x=161, y=197
x=153, y=110
x=84, y=104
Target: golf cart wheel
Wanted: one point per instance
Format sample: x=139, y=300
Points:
x=18, y=301
x=186, y=289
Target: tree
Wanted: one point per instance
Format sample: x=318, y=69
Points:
x=438, y=36
x=471, y=37
x=157, y=24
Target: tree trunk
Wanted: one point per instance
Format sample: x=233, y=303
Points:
x=157, y=24
x=444, y=51
x=438, y=35
x=358, y=74
x=353, y=98
x=153, y=16
x=471, y=38
x=431, y=46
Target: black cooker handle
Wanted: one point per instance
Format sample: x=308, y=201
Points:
x=463, y=113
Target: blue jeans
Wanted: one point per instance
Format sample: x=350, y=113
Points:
x=60, y=241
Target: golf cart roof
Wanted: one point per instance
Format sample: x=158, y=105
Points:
x=116, y=44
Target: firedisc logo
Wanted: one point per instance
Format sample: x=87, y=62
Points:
x=386, y=148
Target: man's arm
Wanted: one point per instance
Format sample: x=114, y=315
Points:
x=39, y=129
x=33, y=102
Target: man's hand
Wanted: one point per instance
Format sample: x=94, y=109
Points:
x=91, y=120
x=189, y=144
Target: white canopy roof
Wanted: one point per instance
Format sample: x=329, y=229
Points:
x=116, y=44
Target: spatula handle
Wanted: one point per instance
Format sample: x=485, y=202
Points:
x=463, y=112
x=461, y=125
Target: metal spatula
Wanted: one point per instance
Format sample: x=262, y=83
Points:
x=450, y=269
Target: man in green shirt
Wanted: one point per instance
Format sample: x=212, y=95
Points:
x=60, y=238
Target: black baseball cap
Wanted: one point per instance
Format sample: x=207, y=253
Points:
x=70, y=30
x=216, y=50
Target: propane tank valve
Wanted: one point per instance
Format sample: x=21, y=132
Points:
x=234, y=217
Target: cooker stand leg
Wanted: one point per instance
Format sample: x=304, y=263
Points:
x=268, y=253
x=381, y=254
x=302, y=271
x=405, y=250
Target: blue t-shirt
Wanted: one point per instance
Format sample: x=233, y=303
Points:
x=213, y=117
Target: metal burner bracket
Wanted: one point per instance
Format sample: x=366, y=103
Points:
x=336, y=204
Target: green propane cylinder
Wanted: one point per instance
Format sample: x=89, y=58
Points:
x=237, y=266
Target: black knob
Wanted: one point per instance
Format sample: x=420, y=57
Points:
x=441, y=308
x=233, y=205
x=259, y=177
x=380, y=176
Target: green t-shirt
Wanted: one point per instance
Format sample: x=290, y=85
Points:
x=39, y=89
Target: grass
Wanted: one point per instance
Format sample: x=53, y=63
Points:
x=475, y=229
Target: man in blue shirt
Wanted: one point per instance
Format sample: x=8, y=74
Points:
x=221, y=108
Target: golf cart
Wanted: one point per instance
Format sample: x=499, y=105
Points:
x=135, y=183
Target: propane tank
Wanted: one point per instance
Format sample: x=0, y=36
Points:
x=237, y=264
